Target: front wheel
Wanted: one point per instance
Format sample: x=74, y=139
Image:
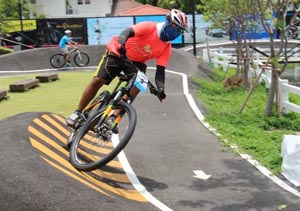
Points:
x=90, y=151
x=57, y=60
x=81, y=59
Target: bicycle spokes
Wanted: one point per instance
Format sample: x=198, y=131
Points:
x=95, y=144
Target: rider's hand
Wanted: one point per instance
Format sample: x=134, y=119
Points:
x=122, y=50
x=161, y=94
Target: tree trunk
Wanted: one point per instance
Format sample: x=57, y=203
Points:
x=271, y=96
x=278, y=106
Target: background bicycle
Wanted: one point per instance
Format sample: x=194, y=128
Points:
x=80, y=59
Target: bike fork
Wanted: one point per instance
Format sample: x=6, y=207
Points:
x=106, y=113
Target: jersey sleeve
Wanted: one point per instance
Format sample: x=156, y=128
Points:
x=143, y=28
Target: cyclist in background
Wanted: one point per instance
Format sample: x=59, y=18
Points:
x=66, y=45
x=140, y=43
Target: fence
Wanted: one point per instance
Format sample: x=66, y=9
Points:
x=226, y=58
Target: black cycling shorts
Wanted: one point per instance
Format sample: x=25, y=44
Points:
x=111, y=65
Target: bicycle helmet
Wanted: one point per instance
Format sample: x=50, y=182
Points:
x=176, y=22
x=68, y=31
x=178, y=18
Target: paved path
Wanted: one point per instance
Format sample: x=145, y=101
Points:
x=169, y=145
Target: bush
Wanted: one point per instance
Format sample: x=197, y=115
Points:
x=4, y=50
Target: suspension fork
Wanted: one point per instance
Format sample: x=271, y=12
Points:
x=108, y=110
x=117, y=98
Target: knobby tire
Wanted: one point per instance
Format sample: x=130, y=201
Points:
x=79, y=161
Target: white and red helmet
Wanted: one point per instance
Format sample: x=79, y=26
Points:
x=178, y=18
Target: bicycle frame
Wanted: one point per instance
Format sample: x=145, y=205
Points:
x=112, y=99
x=119, y=93
x=96, y=132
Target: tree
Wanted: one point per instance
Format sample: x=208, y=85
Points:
x=151, y=2
x=267, y=9
x=239, y=13
x=10, y=9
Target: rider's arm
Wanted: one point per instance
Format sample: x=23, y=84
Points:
x=123, y=37
x=72, y=42
x=160, y=81
x=160, y=77
x=125, y=34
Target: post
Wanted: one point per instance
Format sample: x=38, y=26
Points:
x=20, y=15
x=194, y=28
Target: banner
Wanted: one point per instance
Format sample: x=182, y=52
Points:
x=50, y=31
x=15, y=25
x=101, y=30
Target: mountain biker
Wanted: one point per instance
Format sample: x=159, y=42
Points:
x=65, y=44
x=140, y=43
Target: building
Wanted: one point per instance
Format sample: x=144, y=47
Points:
x=93, y=8
x=72, y=8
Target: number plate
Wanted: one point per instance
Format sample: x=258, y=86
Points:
x=141, y=81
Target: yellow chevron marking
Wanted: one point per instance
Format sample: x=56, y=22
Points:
x=129, y=194
x=63, y=165
x=66, y=132
x=74, y=176
x=34, y=131
x=112, y=176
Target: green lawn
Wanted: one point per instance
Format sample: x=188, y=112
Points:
x=251, y=131
x=60, y=96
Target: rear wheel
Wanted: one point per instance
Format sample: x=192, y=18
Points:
x=90, y=150
x=81, y=59
x=57, y=60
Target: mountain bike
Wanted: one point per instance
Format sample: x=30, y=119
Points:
x=90, y=143
x=81, y=59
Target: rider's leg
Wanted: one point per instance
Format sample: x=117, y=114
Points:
x=67, y=57
x=90, y=92
x=103, y=75
x=68, y=54
x=133, y=93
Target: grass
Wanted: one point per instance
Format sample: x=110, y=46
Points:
x=60, y=97
x=251, y=131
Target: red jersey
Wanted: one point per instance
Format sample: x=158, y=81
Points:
x=144, y=45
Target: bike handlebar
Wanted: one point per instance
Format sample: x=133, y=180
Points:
x=152, y=88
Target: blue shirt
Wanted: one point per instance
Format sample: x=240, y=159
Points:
x=63, y=41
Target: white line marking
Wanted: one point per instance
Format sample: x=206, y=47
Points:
x=135, y=181
x=201, y=174
x=255, y=163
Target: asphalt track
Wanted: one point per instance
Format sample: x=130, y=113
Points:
x=170, y=144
